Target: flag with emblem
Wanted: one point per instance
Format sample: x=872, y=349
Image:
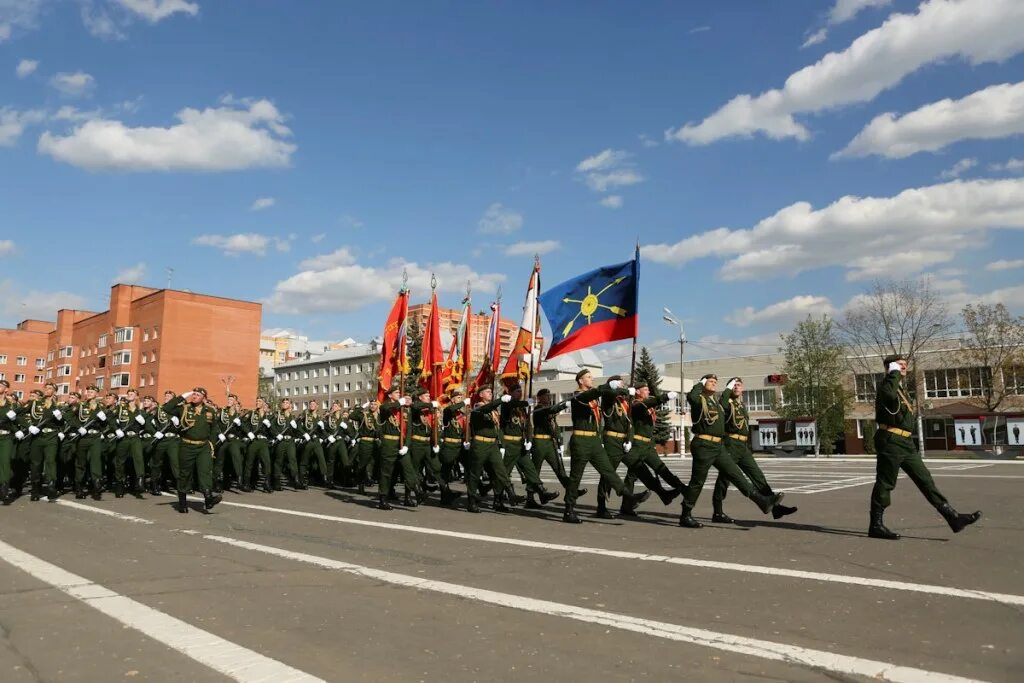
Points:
x=594, y=308
x=457, y=364
x=431, y=353
x=492, y=352
x=393, y=359
x=517, y=367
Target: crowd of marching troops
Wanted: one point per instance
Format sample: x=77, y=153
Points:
x=186, y=443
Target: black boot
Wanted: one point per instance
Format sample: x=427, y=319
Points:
x=154, y=487
x=602, y=510
x=627, y=509
x=37, y=491
x=383, y=504
x=210, y=499
x=182, y=503
x=80, y=491
x=119, y=489
x=472, y=505
x=569, y=516
x=5, y=494
x=548, y=496
x=52, y=491
x=97, y=491
x=531, y=502
x=957, y=522
x=721, y=518
x=766, y=503
x=499, y=502
x=139, y=487
x=686, y=519
x=877, y=528
x=780, y=511
x=634, y=499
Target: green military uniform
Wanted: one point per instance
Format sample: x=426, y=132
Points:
x=515, y=431
x=229, y=424
x=9, y=425
x=368, y=435
x=166, y=447
x=485, y=451
x=312, y=426
x=547, y=442
x=421, y=439
x=91, y=421
x=128, y=445
x=618, y=432
x=284, y=428
x=642, y=460
x=393, y=440
x=258, y=424
x=706, y=447
x=45, y=421
x=197, y=426
x=339, y=459
x=66, y=462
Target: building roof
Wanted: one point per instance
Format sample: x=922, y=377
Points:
x=573, y=362
x=349, y=352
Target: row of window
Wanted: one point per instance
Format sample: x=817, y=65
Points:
x=323, y=372
x=22, y=360
x=316, y=389
x=949, y=383
x=19, y=377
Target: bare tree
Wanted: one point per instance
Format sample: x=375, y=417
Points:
x=994, y=342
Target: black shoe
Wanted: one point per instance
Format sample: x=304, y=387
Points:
x=877, y=529
x=532, y=504
x=668, y=496
x=766, y=503
x=686, y=519
x=182, y=503
x=5, y=494
x=548, y=496
x=570, y=517
x=266, y=487
x=81, y=494
x=780, y=511
x=52, y=491
x=302, y=486
x=499, y=503
x=154, y=489
x=958, y=522
x=36, y=493
x=634, y=499
x=383, y=504
x=119, y=489
x=217, y=488
x=472, y=506
x=604, y=514
x=722, y=518
x=211, y=499
x=625, y=511
x=581, y=492
x=97, y=492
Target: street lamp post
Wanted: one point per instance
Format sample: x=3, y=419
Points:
x=670, y=319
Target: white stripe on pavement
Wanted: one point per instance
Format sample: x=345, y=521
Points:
x=765, y=649
x=102, y=511
x=234, y=661
x=1003, y=598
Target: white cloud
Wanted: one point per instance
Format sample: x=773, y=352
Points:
x=816, y=38
x=699, y=29
x=317, y=238
x=647, y=141
x=608, y=169
x=351, y=286
x=1011, y=166
x=131, y=275
x=978, y=31
x=18, y=305
x=996, y=266
x=262, y=203
x=243, y=243
x=531, y=248
x=157, y=10
x=26, y=67
x=994, y=112
x=498, y=219
x=782, y=312
x=74, y=114
x=612, y=201
x=6, y=247
x=13, y=124
x=99, y=22
x=338, y=257
x=1012, y=297
x=75, y=84
x=844, y=10
x=5, y=32
x=353, y=222
x=959, y=168
x=914, y=229
x=241, y=134
x=21, y=14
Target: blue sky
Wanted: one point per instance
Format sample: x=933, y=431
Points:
x=302, y=153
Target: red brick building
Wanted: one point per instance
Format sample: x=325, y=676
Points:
x=23, y=355
x=150, y=339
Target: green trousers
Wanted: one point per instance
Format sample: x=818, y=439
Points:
x=485, y=454
x=895, y=453
x=338, y=458
x=165, y=450
x=367, y=450
x=128, y=447
x=6, y=455
x=259, y=449
x=313, y=451
x=449, y=455
x=389, y=459
x=644, y=463
x=284, y=459
x=89, y=456
x=519, y=459
x=708, y=454
x=43, y=457
x=229, y=450
x=545, y=451
x=420, y=455
x=615, y=451
x=589, y=450
x=195, y=457
x=741, y=454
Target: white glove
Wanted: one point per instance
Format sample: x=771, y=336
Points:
x=465, y=445
x=280, y=437
x=221, y=438
x=672, y=395
x=561, y=451
x=436, y=449
x=627, y=447
x=158, y=435
x=466, y=401
x=238, y=423
x=119, y=434
x=251, y=436
x=531, y=402
x=60, y=435
x=506, y=398
x=33, y=430
x=266, y=423
x=527, y=445
x=403, y=450
x=82, y=431
x=365, y=405
x=405, y=401
x=174, y=420
x=502, y=451
x=294, y=426
x=308, y=438
x=103, y=417
x=343, y=425
x=141, y=420
x=19, y=435
x=57, y=414
x=331, y=439
x=615, y=384
x=187, y=394
x=895, y=365
x=632, y=391
x=11, y=415
x=435, y=404
x=704, y=382
x=320, y=423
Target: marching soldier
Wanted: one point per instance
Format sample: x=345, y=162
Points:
x=66, y=462
x=547, y=443
x=259, y=433
x=229, y=424
x=617, y=438
x=45, y=420
x=367, y=418
x=515, y=420
x=585, y=445
x=486, y=451
x=895, y=450
x=128, y=421
x=8, y=427
x=285, y=429
x=167, y=443
x=421, y=437
x=454, y=440
x=642, y=460
x=339, y=460
x=91, y=419
x=313, y=429
x=147, y=434
x=196, y=423
x=393, y=450
x=737, y=446
x=709, y=430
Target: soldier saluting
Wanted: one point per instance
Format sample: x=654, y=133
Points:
x=196, y=425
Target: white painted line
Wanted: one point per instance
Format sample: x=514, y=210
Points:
x=765, y=649
x=234, y=661
x=1003, y=598
x=102, y=511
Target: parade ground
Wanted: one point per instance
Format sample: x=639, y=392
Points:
x=303, y=586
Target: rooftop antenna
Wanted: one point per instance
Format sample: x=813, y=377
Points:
x=170, y=276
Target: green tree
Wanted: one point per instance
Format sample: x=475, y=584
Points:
x=413, y=351
x=647, y=373
x=994, y=341
x=265, y=387
x=815, y=366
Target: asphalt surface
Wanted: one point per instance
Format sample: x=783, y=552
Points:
x=338, y=590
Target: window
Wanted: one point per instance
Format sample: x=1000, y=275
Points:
x=123, y=334
x=63, y=370
x=142, y=360
x=337, y=387
x=305, y=390
x=316, y=388
x=759, y=399
x=100, y=381
x=316, y=372
x=287, y=392
x=348, y=404
x=66, y=352
x=38, y=379
x=122, y=358
x=152, y=379
x=156, y=332
x=102, y=343
x=142, y=381
x=348, y=369
x=359, y=386
x=19, y=377
x=121, y=379
x=81, y=352
x=305, y=374
x=3, y=375
x=39, y=361
x=1013, y=380
x=867, y=385
x=348, y=386
x=49, y=373
x=145, y=335
x=103, y=362
x=359, y=368
x=152, y=356
x=21, y=360
x=3, y=360
x=19, y=394
x=337, y=370
x=957, y=382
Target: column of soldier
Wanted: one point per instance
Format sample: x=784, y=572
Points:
x=426, y=443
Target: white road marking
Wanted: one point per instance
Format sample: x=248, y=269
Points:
x=102, y=511
x=223, y=656
x=1003, y=598
x=765, y=649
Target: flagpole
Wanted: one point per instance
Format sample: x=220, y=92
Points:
x=401, y=370
x=533, y=330
x=496, y=351
x=636, y=312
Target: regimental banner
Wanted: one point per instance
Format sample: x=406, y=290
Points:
x=806, y=434
x=1015, y=431
x=968, y=431
x=769, y=434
